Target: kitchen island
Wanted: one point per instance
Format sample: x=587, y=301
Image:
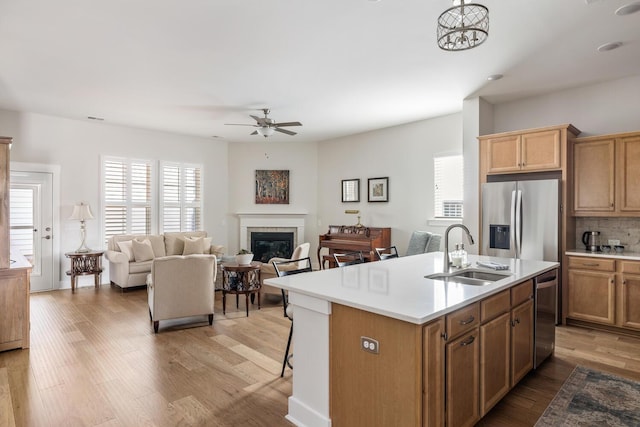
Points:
x=371, y=342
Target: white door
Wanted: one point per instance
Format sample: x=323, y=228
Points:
x=31, y=214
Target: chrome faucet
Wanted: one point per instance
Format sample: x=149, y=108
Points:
x=447, y=262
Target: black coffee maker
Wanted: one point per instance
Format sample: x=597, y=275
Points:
x=591, y=240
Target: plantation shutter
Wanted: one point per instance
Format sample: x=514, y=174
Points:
x=181, y=197
x=127, y=197
x=448, y=191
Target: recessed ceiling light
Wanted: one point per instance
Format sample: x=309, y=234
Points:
x=609, y=46
x=628, y=9
x=493, y=77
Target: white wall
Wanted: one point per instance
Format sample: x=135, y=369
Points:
x=402, y=153
x=265, y=153
x=608, y=107
x=76, y=146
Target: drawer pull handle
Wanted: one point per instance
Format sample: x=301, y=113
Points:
x=468, y=341
x=590, y=264
x=469, y=320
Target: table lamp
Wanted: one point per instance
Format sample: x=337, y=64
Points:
x=82, y=212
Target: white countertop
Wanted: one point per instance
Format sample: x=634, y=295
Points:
x=635, y=256
x=397, y=287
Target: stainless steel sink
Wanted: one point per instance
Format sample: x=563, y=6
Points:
x=469, y=276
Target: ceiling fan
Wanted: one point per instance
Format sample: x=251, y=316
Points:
x=266, y=125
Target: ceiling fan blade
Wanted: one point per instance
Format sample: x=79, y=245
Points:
x=288, y=124
x=288, y=132
x=260, y=120
x=255, y=132
x=239, y=124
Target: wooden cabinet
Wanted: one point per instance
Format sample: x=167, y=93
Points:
x=463, y=380
x=522, y=152
x=463, y=368
x=433, y=374
x=594, y=166
x=495, y=352
x=605, y=291
x=629, y=300
x=14, y=305
x=591, y=290
x=521, y=341
x=628, y=175
x=607, y=175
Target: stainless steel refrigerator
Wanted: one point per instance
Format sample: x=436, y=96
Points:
x=520, y=219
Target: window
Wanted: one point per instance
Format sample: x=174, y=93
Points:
x=134, y=204
x=127, y=196
x=180, y=197
x=22, y=220
x=449, y=182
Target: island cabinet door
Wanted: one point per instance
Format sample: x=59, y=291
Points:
x=495, y=354
x=433, y=374
x=521, y=341
x=378, y=383
x=462, y=404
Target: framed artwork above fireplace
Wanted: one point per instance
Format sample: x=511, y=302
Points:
x=272, y=187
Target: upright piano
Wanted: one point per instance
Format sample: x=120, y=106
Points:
x=350, y=238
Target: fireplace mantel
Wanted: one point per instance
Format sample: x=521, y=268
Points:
x=275, y=220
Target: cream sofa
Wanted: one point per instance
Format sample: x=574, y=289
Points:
x=181, y=286
x=130, y=261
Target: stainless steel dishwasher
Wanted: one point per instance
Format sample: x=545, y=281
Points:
x=545, y=304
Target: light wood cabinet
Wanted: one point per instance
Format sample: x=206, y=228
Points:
x=524, y=152
x=629, y=300
x=605, y=291
x=463, y=380
x=521, y=341
x=594, y=166
x=495, y=353
x=607, y=175
x=433, y=373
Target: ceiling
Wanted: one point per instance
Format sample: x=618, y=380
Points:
x=338, y=66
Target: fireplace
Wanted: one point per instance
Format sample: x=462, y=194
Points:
x=266, y=245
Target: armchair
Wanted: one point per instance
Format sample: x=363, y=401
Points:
x=267, y=271
x=181, y=286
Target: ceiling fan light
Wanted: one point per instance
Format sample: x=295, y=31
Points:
x=265, y=131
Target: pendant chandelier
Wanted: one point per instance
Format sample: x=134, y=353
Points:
x=463, y=26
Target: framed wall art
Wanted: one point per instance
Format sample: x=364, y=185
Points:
x=350, y=190
x=272, y=187
x=378, y=189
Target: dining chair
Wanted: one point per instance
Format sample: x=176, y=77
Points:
x=287, y=268
x=348, y=258
x=386, y=253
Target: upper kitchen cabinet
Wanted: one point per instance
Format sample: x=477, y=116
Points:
x=530, y=150
x=607, y=175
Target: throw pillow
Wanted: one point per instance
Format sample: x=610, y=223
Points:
x=217, y=250
x=125, y=248
x=142, y=251
x=193, y=245
x=207, y=245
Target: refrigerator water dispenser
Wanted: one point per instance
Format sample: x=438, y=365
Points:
x=499, y=236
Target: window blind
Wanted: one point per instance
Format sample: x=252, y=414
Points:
x=448, y=177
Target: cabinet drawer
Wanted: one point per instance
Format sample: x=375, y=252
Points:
x=599, y=264
x=630, y=267
x=462, y=320
x=521, y=293
x=494, y=306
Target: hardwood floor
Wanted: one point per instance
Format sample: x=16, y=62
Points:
x=94, y=361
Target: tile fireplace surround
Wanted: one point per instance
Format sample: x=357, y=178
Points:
x=265, y=222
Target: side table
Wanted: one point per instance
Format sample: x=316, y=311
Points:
x=240, y=279
x=83, y=264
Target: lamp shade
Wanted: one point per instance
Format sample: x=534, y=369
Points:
x=81, y=212
x=265, y=131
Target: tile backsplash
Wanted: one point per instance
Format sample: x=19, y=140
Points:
x=627, y=230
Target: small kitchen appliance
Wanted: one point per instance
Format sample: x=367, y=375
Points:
x=591, y=240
